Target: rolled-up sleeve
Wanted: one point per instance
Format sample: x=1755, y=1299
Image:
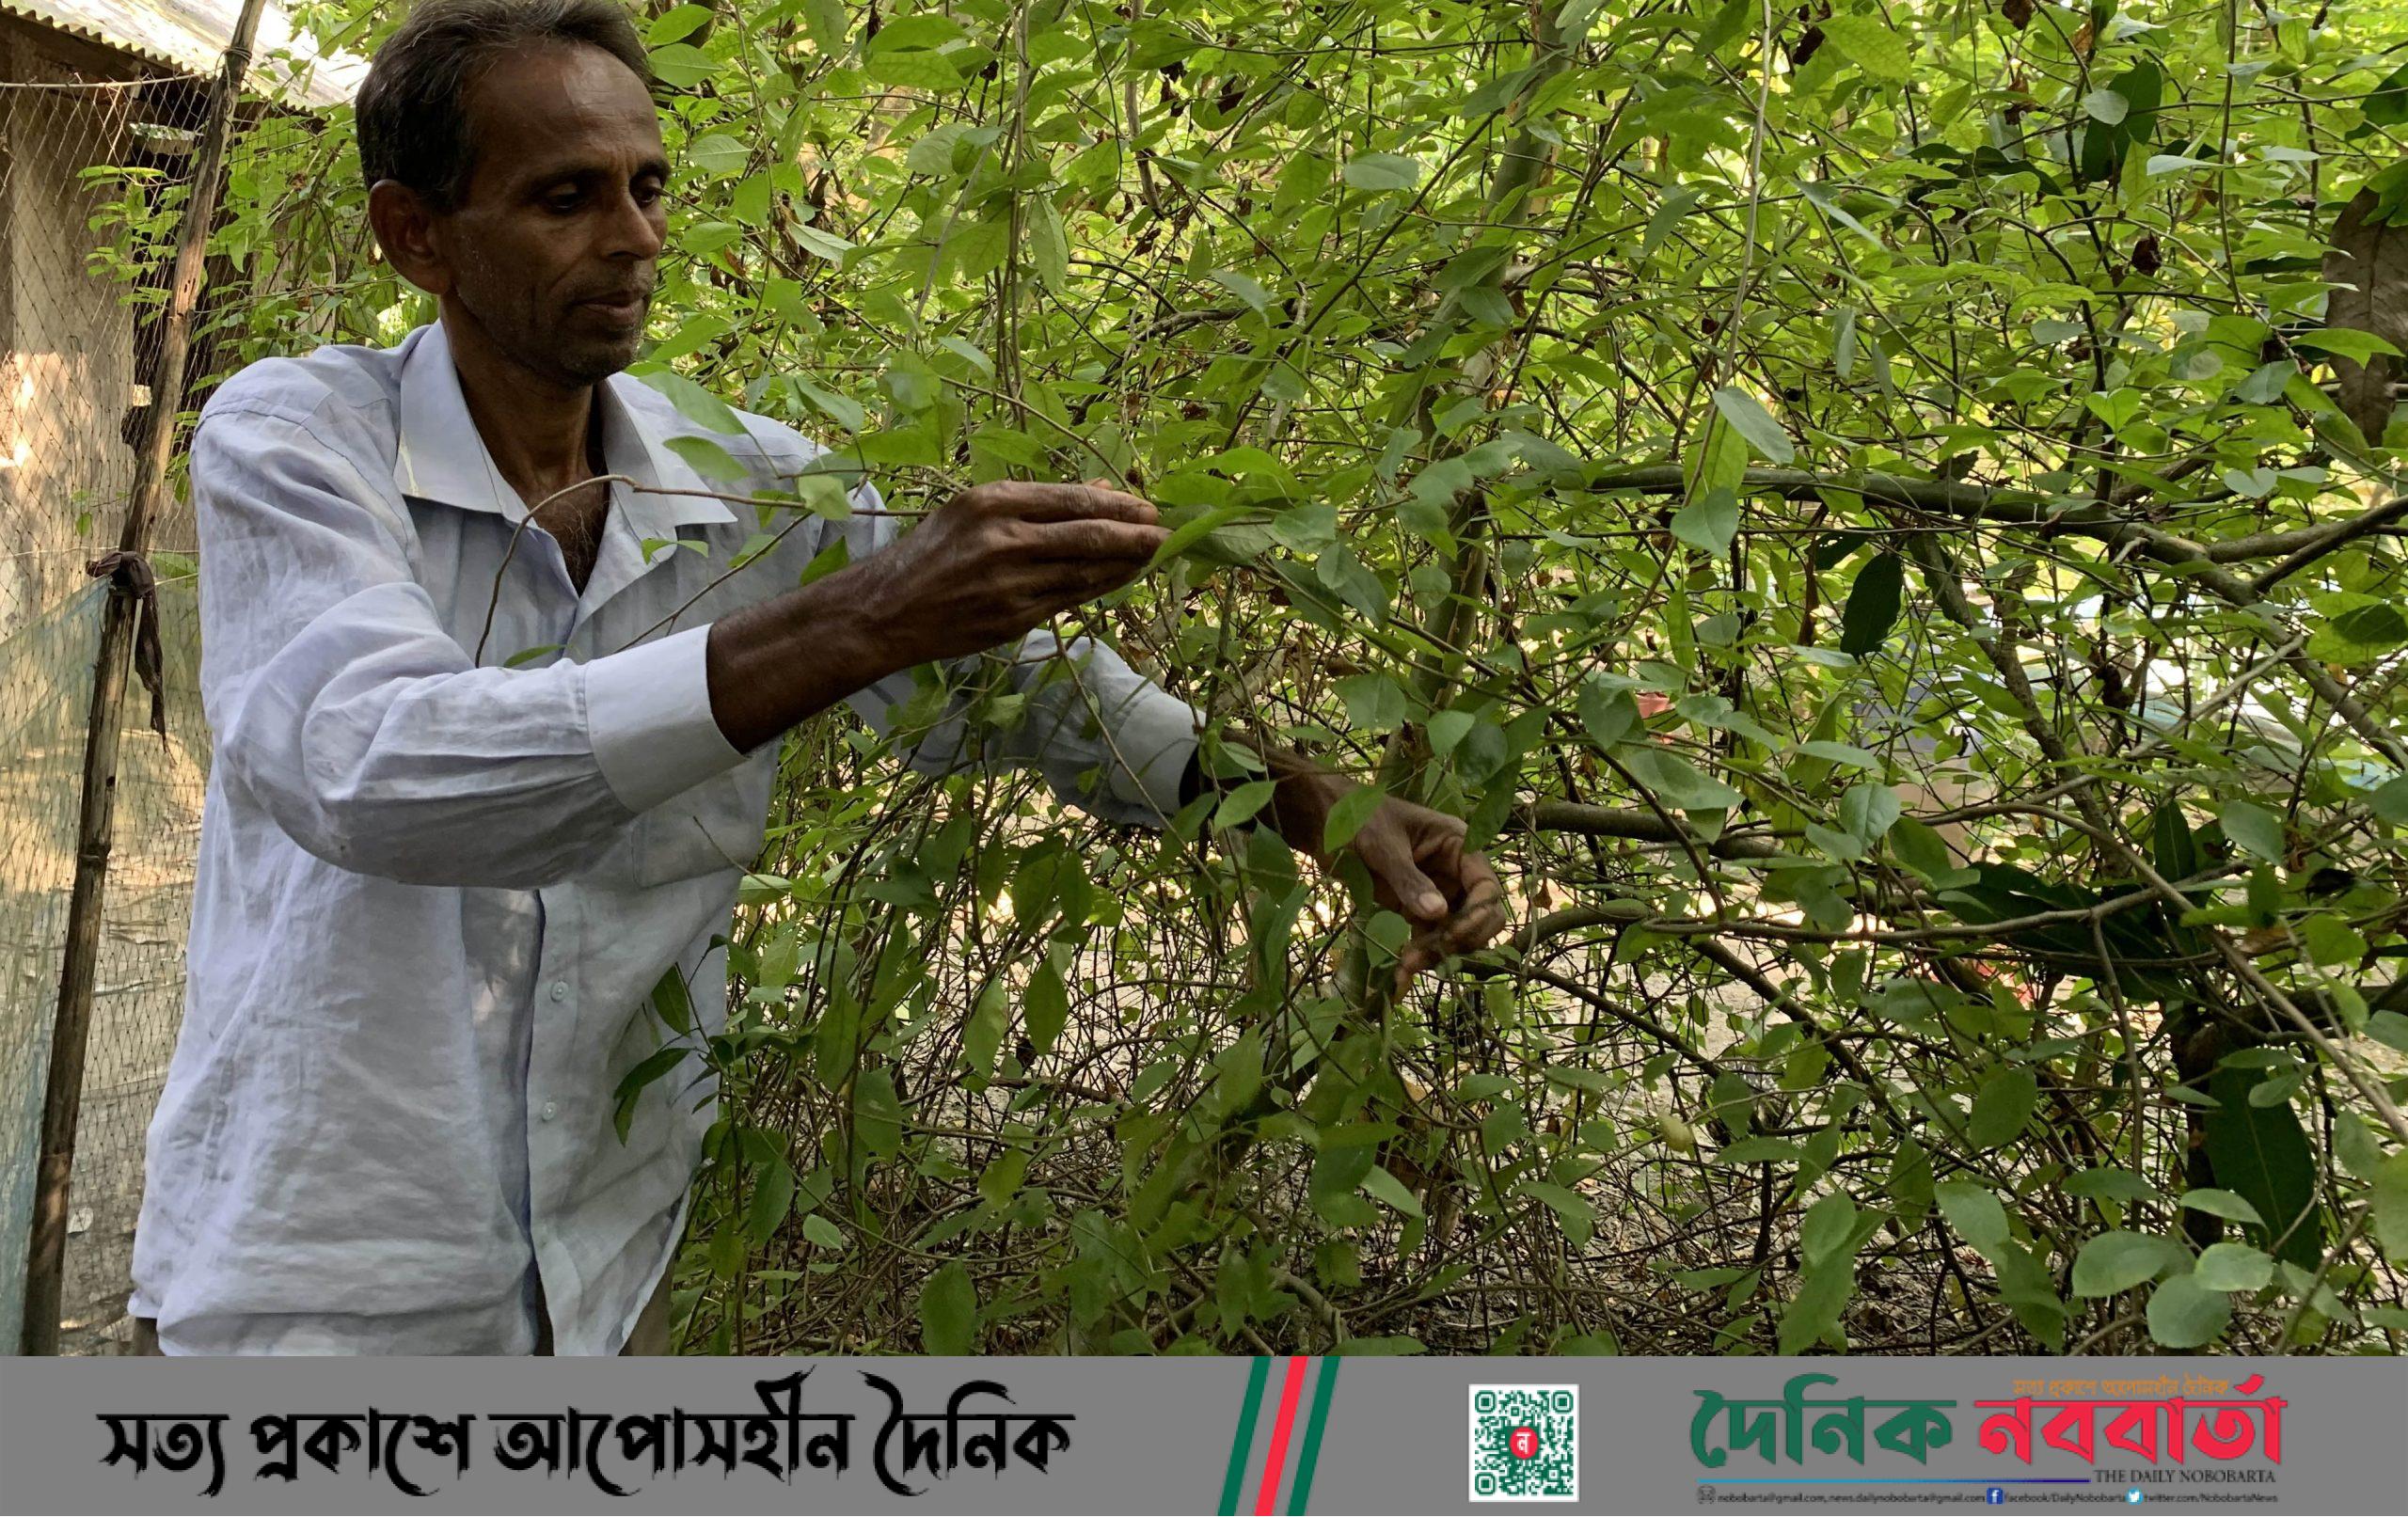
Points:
x=340, y=702
x=1108, y=740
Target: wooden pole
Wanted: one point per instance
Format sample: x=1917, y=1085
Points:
x=128, y=587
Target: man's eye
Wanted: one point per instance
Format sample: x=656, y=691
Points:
x=563, y=202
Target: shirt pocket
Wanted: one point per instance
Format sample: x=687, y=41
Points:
x=713, y=827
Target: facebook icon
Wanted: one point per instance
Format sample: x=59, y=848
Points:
x=1995, y=1496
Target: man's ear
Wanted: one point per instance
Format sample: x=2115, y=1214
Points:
x=405, y=228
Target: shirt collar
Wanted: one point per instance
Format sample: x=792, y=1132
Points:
x=443, y=458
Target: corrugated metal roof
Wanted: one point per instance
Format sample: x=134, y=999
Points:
x=191, y=35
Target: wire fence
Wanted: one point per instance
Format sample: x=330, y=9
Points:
x=77, y=343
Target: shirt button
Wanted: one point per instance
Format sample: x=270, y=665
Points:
x=559, y=989
x=551, y=1110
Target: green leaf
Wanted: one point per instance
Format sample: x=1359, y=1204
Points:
x=1677, y=783
x=1843, y=754
x=932, y=155
x=671, y=1002
x=1609, y=715
x=2182, y=1314
x=877, y=1113
x=2233, y=1267
x=819, y=1231
x=983, y=1034
x=764, y=1211
x=2003, y=1106
x=675, y=23
x=630, y=1089
x=2374, y=627
x=949, y=1312
x=2105, y=106
x=1447, y=729
x=2346, y=342
x=823, y=245
x=718, y=153
x=1873, y=604
x=2172, y=847
x=707, y=459
x=2388, y=105
x=1383, y=171
x=2117, y=1261
x=2261, y=1153
x=2110, y=1185
x=827, y=24
x=923, y=69
x=2388, y=1205
x=1757, y=1151
x=1826, y=1227
x=1384, y=1185
x=1973, y=1211
x=1374, y=703
x=1868, y=810
x=1049, y=247
x=1709, y=522
x=1243, y=802
x=681, y=66
x=2357, y=629
x=654, y=1065
x=2389, y=1028
x=2253, y=827
x=1244, y=286
x=1194, y=530
x=527, y=655
x=1579, y=1218
x=1046, y=1010
x=1337, y=569
x=1814, y=1314
x=1922, y=848
x=1869, y=45
x=1748, y=413
x=2220, y=1203
x=694, y=403
x=2389, y=802
x=1347, y=817
x=759, y=890
x=2354, y=1145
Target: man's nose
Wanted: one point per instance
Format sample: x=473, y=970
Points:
x=634, y=228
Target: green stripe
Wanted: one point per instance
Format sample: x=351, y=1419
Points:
x=1302, y=1490
x=1235, y=1481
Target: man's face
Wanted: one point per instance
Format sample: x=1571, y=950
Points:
x=554, y=248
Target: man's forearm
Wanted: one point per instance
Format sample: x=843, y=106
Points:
x=980, y=571
x=1301, y=796
x=777, y=661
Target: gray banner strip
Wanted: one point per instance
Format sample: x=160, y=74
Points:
x=1156, y=1435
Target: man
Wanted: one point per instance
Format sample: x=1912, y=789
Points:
x=482, y=777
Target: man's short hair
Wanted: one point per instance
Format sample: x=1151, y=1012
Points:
x=412, y=111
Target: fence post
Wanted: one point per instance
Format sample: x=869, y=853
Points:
x=130, y=584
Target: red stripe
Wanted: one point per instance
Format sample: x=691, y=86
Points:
x=1291, y=1385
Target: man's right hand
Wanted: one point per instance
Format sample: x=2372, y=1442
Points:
x=1000, y=559
x=978, y=572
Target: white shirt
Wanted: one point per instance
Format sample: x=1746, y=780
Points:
x=434, y=892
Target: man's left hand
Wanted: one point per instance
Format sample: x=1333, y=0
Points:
x=1418, y=864
x=1421, y=871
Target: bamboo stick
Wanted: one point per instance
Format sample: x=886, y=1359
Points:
x=70, y=1033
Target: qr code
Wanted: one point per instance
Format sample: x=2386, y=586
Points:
x=1525, y=1443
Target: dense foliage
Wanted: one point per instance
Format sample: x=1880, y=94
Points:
x=1879, y=515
